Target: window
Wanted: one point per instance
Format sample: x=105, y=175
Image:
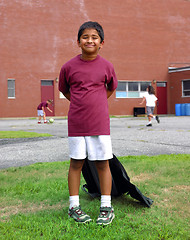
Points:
x=46, y=83
x=144, y=85
x=186, y=88
x=161, y=84
x=121, y=90
x=11, y=88
x=131, y=89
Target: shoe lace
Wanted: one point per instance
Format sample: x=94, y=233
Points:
x=79, y=212
x=104, y=213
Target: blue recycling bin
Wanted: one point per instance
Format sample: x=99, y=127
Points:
x=187, y=108
x=183, y=110
x=178, y=109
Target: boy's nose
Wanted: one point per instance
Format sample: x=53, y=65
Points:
x=89, y=40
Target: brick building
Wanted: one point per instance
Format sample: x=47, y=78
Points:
x=142, y=39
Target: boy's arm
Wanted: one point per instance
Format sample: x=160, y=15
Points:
x=109, y=93
x=67, y=95
x=111, y=82
x=142, y=101
x=64, y=87
x=49, y=109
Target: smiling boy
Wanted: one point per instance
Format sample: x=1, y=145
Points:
x=87, y=80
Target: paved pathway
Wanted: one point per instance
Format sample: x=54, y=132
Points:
x=130, y=136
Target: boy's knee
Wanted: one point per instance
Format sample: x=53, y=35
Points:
x=102, y=165
x=76, y=164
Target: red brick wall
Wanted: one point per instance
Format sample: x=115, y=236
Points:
x=175, y=89
x=37, y=37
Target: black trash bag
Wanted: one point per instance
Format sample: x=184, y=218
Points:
x=120, y=181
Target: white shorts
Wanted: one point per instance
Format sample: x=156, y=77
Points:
x=40, y=113
x=93, y=147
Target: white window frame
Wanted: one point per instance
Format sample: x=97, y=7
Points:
x=183, y=88
x=11, y=89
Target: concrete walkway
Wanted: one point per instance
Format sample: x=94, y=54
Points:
x=130, y=136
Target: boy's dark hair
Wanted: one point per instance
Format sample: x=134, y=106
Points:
x=151, y=90
x=50, y=101
x=94, y=25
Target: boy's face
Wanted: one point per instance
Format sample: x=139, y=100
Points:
x=90, y=42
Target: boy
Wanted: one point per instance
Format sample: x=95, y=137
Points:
x=87, y=80
x=41, y=110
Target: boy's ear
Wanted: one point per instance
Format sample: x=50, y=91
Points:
x=101, y=45
x=78, y=43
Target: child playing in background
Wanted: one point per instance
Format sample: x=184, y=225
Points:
x=150, y=99
x=87, y=80
x=41, y=110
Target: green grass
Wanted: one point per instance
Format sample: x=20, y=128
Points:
x=34, y=202
x=22, y=134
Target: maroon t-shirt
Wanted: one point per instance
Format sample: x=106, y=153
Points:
x=87, y=80
x=42, y=104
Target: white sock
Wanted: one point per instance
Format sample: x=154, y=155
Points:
x=105, y=201
x=154, y=117
x=149, y=122
x=74, y=201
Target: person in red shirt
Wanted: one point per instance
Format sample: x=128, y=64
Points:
x=87, y=80
x=41, y=110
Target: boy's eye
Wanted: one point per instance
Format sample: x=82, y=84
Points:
x=93, y=37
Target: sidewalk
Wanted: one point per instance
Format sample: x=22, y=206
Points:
x=130, y=136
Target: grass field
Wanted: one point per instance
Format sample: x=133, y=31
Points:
x=21, y=134
x=34, y=202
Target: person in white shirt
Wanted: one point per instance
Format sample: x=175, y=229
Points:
x=150, y=99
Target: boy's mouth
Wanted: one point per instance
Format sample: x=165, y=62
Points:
x=89, y=45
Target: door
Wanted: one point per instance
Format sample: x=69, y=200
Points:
x=47, y=92
x=162, y=98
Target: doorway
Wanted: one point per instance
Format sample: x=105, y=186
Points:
x=162, y=98
x=47, y=92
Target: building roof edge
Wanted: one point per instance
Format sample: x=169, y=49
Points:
x=178, y=69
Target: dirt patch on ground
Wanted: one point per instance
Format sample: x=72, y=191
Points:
x=141, y=178
x=6, y=212
x=173, y=197
x=180, y=188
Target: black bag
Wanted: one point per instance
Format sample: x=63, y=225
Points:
x=120, y=181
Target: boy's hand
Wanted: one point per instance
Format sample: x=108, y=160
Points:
x=109, y=93
x=67, y=95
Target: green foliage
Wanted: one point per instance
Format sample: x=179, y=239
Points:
x=34, y=202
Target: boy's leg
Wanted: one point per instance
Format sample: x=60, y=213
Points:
x=106, y=211
x=74, y=184
x=74, y=176
x=105, y=177
x=44, y=117
x=39, y=116
x=149, y=120
x=153, y=116
x=150, y=115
